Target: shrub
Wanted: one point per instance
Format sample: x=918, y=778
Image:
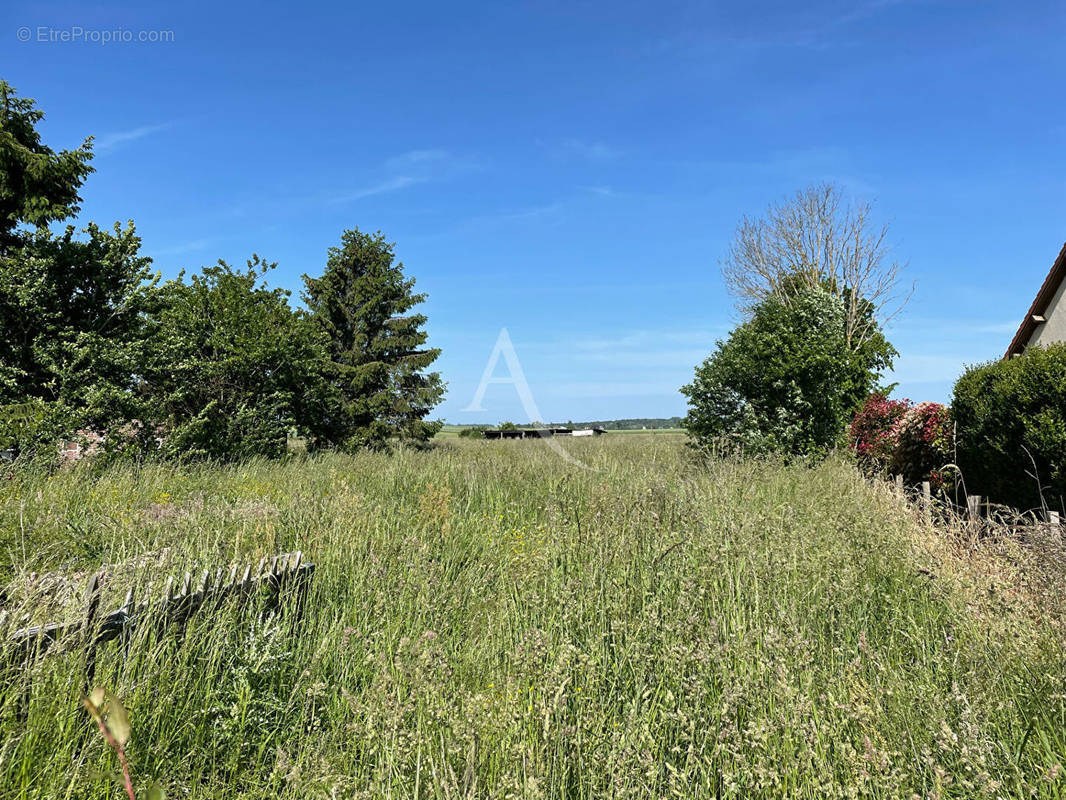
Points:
x=787, y=380
x=870, y=432
x=233, y=368
x=475, y=432
x=1011, y=420
x=923, y=444
x=915, y=441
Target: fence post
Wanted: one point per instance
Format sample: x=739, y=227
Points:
x=1053, y=518
x=92, y=605
x=200, y=597
x=899, y=484
x=973, y=506
x=927, y=502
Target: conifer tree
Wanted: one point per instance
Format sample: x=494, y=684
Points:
x=377, y=355
x=38, y=186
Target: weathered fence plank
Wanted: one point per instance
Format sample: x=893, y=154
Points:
x=33, y=641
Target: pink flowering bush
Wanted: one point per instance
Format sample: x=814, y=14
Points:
x=914, y=441
x=871, y=429
x=923, y=443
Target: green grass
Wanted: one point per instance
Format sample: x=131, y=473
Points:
x=488, y=621
x=449, y=431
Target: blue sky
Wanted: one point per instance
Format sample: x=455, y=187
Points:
x=573, y=171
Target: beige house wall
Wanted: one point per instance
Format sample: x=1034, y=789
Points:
x=1054, y=330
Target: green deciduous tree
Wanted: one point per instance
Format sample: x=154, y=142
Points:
x=232, y=367
x=377, y=354
x=73, y=314
x=786, y=380
x=73, y=309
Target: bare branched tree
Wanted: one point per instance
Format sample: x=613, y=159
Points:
x=818, y=239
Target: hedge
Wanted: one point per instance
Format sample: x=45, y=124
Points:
x=1011, y=428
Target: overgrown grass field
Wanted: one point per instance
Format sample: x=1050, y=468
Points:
x=488, y=621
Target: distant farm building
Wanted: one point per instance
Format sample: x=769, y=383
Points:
x=1046, y=321
x=539, y=433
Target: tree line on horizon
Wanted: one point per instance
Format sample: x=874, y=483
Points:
x=628, y=424
x=216, y=364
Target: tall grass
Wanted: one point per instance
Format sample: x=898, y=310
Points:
x=488, y=621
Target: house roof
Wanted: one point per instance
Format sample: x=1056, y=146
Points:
x=1040, y=304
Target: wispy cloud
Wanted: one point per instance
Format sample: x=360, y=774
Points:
x=409, y=169
x=700, y=44
x=388, y=176
x=418, y=157
x=602, y=191
x=864, y=10
x=665, y=349
x=807, y=29
x=383, y=187
x=536, y=212
x=594, y=151
x=191, y=246
x=110, y=141
x=548, y=212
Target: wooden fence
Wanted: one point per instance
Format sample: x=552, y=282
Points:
x=977, y=506
x=174, y=606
